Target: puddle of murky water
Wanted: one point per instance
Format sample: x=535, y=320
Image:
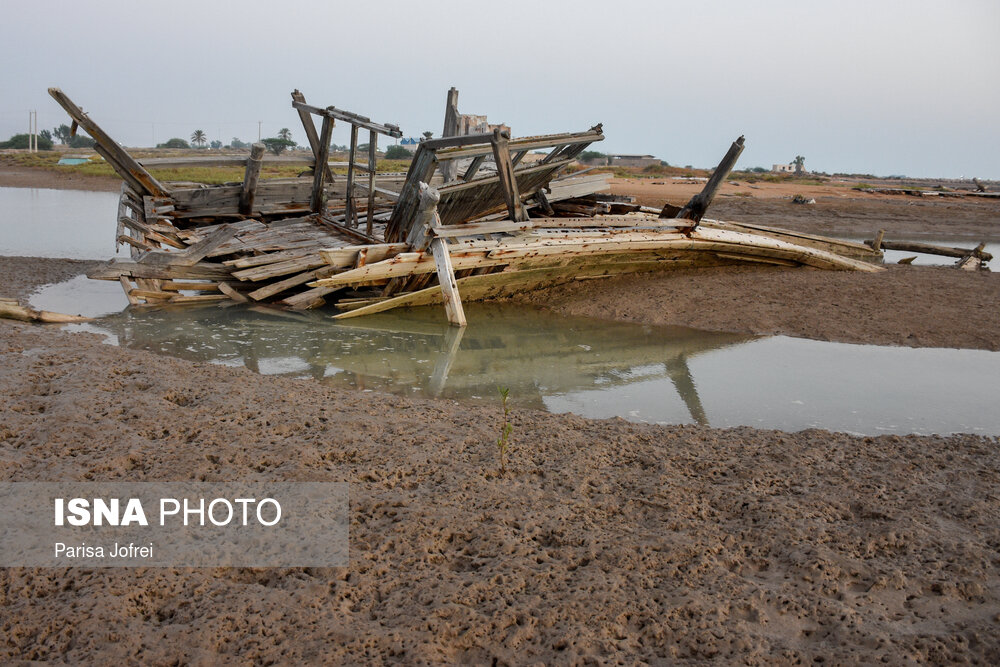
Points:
x=588, y=367
x=37, y=222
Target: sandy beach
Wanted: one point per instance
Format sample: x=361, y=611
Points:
x=607, y=542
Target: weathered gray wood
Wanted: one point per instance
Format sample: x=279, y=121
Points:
x=316, y=200
x=470, y=173
x=543, y=202
x=449, y=288
x=310, y=129
x=505, y=171
x=250, y=178
x=695, y=209
x=354, y=119
x=118, y=268
x=351, y=217
x=198, y=251
x=119, y=159
x=420, y=235
x=877, y=243
x=450, y=170
x=372, y=147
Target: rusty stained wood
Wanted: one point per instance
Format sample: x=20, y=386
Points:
x=124, y=164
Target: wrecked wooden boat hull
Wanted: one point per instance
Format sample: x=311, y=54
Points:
x=474, y=218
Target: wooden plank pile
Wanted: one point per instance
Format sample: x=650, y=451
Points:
x=471, y=219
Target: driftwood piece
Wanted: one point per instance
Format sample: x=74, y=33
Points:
x=695, y=209
x=12, y=310
x=249, y=192
x=929, y=249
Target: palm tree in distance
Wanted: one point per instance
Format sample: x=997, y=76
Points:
x=285, y=133
x=199, y=138
x=799, y=163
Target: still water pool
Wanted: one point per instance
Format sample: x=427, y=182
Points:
x=592, y=368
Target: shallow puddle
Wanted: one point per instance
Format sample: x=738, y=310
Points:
x=588, y=367
x=38, y=222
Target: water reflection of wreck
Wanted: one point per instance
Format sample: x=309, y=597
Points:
x=477, y=216
x=533, y=353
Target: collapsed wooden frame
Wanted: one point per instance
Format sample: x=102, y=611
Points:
x=473, y=217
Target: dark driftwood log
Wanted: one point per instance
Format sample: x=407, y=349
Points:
x=695, y=209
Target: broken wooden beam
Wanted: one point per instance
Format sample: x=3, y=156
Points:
x=124, y=164
x=695, y=209
x=310, y=129
x=12, y=310
x=316, y=200
x=929, y=249
x=505, y=170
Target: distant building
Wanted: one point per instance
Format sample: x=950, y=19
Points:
x=474, y=124
x=632, y=160
x=783, y=168
x=410, y=144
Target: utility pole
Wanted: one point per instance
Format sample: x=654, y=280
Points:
x=259, y=123
x=32, y=131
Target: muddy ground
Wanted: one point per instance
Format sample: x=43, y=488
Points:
x=607, y=542
x=839, y=210
x=915, y=306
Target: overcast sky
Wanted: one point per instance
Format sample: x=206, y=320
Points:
x=868, y=87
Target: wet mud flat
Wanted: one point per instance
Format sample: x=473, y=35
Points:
x=606, y=538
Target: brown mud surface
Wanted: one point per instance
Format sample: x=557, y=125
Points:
x=20, y=276
x=915, y=306
x=606, y=542
x=25, y=177
x=839, y=211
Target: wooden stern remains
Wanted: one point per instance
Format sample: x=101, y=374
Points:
x=472, y=219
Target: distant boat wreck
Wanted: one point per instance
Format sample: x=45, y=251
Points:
x=472, y=219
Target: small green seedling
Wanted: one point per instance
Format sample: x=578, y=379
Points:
x=503, y=442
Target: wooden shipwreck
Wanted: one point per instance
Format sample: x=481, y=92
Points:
x=472, y=219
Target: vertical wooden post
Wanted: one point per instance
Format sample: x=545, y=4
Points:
x=450, y=168
x=695, y=209
x=250, y=178
x=351, y=217
x=505, y=170
x=310, y=129
x=449, y=287
x=372, y=148
x=877, y=245
x=316, y=203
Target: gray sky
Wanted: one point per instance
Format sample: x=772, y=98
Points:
x=868, y=87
